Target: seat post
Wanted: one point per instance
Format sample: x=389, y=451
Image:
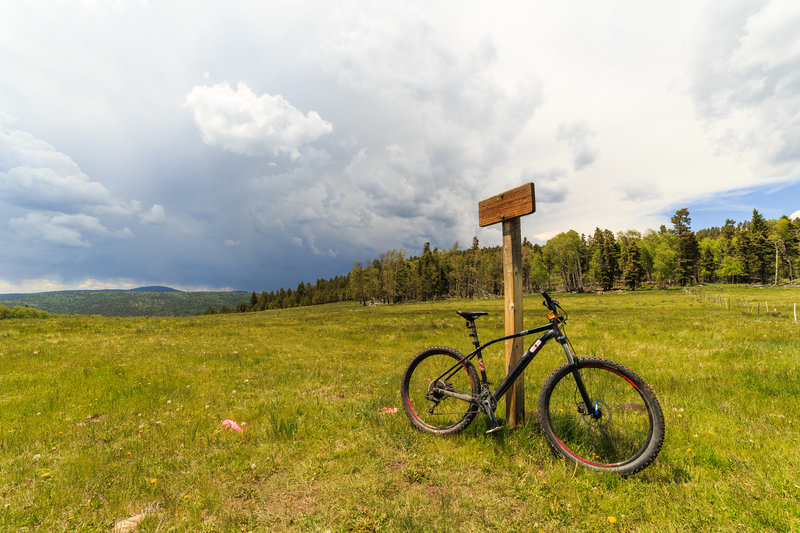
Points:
x=470, y=316
x=474, y=334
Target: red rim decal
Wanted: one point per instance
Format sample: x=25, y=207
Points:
x=580, y=458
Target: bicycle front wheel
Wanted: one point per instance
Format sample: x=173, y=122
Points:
x=622, y=429
x=428, y=377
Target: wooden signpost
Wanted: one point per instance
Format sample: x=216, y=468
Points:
x=507, y=208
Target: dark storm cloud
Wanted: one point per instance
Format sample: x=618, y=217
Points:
x=348, y=191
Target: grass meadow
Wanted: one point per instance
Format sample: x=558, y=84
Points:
x=103, y=419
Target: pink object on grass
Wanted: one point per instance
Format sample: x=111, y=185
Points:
x=233, y=425
x=389, y=410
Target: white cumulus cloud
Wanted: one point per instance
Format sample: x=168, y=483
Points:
x=67, y=230
x=244, y=123
x=33, y=174
x=48, y=198
x=156, y=215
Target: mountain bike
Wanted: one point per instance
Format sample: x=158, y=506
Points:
x=593, y=411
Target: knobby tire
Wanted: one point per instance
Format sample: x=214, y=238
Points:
x=627, y=429
x=427, y=409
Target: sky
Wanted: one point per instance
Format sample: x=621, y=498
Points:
x=256, y=144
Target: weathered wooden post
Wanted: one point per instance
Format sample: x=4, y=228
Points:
x=507, y=208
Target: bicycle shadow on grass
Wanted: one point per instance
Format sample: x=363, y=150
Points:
x=529, y=438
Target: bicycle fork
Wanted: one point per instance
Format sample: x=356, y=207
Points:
x=592, y=410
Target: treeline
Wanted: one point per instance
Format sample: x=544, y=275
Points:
x=324, y=291
x=754, y=251
x=21, y=312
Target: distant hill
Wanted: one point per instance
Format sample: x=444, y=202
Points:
x=142, y=301
x=154, y=288
x=151, y=288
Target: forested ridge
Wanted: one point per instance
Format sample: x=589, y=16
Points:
x=753, y=251
x=148, y=301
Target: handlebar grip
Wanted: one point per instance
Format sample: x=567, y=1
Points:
x=548, y=302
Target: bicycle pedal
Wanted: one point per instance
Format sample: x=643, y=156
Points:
x=494, y=429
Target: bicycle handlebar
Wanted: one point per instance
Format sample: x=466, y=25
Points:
x=549, y=302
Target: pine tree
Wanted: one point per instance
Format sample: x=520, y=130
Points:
x=595, y=253
x=785, y=238
x=708, y=264
x=300, y=293
x=609, y=267
x=357, y=287
x=632, y=267
x=427, y=273
x=687, y=247
x=729, y=229
x=761, y=249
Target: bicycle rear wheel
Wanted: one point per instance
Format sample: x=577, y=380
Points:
x=622, y=429
x=421, y=391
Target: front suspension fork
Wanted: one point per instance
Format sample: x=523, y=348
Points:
x=591, y=409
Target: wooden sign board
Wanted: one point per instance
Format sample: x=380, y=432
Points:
x=505, y=206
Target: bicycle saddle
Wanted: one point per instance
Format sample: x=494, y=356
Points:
x=472, y=315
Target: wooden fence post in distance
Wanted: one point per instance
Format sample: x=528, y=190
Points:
x=507, y=208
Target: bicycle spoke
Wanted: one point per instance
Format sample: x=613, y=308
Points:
x=431, y=377
x=618, y=435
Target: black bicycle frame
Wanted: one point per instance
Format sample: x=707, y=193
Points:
x=550, y=331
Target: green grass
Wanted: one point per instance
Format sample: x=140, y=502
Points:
x=102, y=418
x=780, y=302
